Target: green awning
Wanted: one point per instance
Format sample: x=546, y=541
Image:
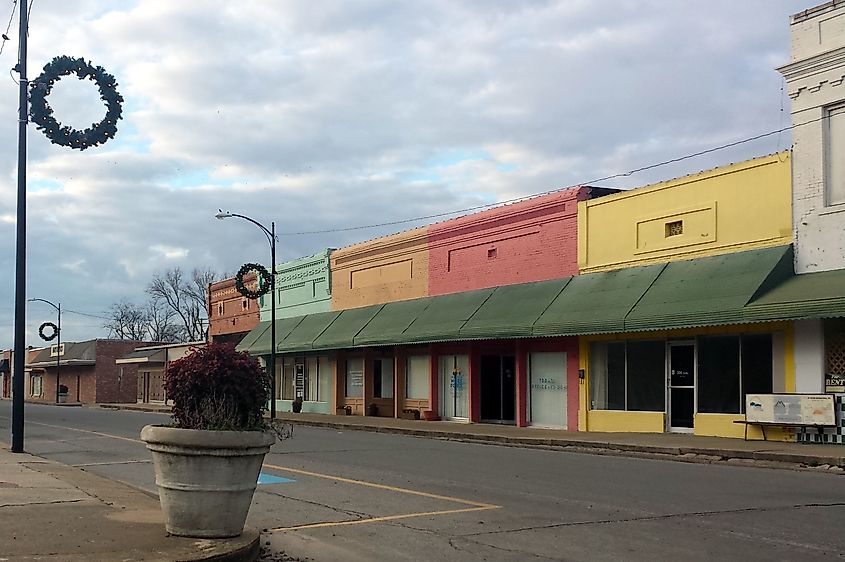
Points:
x=302, y=337
x=249, y=343
x=596, y=303
x=809, y=295
x=444, y=317
x=257, y=341
x=389, y=325
x=708, y=291
x=341, y=333
x=512, y=310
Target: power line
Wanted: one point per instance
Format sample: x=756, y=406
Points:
x=583, y=183
x=87, y=314
x=9, y=26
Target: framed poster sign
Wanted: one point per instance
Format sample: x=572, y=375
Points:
x=797, y=409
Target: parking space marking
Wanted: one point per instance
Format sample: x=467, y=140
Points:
x=474, y=505
x=384, y=518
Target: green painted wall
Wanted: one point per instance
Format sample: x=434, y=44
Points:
x=303, y=286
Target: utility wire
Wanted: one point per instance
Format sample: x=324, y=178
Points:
x=583, y=183
x=87, y=314
x=9, y=25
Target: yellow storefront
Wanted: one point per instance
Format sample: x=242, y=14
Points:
x=687, y=380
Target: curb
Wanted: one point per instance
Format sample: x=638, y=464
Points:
x=684, y=453
x=593, y=446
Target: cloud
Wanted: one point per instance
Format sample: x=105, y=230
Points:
x=321, y=116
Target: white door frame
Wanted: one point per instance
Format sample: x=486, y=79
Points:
x=669, y=345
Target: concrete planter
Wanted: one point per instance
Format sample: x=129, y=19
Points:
x=206, y=479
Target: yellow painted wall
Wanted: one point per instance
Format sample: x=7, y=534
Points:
x=738, y=207
x=386, y=269
x=629, y=422
x=720, y=425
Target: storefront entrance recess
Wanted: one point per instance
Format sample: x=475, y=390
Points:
x=681, y=386
x=498, y=388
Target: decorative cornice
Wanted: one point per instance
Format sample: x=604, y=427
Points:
x=805, y=68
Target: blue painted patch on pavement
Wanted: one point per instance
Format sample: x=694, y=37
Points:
x=264, y=478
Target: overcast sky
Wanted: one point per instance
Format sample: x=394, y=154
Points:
x=325, y=115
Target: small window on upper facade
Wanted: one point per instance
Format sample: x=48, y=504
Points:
x=834, y=162
x=674, y=228
x=491, y=253
x=245, y=304
x=219, y=309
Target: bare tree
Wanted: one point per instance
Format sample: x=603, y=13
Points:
x=187, y=299
x=127, y=321
x=160, y=326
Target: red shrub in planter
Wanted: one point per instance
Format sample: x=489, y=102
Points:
x=217, y=388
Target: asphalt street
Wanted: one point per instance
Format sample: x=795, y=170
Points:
x=345, y=495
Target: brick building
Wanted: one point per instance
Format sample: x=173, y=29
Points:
x=231, y=315
x=88, y=369
x=532, y=240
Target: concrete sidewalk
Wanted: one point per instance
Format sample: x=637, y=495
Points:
x=50, y=511
x=674, y=446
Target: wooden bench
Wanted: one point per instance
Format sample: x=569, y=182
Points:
x=763, y=426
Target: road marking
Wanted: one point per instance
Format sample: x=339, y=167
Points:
x=475, y=505
x=384, y=487
x=385, y=518
x=264, y=478
x=87, y=431
x=109, y=463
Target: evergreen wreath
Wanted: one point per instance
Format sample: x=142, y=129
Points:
x=41, y=113
x=52, y=336
x=264, y=280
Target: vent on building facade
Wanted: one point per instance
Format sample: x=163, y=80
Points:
x=674, y=228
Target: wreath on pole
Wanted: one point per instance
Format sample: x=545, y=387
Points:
x=52, y=336
x=41, y=113
x=263, y=280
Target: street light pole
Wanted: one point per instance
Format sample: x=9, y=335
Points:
x=58, y=308
x=20, y=243
x=271, y=237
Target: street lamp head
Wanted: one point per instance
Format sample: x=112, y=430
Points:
x=221, y=215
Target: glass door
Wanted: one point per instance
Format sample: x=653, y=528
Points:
x=454, y=380
x=498, y=389
x=681, y=386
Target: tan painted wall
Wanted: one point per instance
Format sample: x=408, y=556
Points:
x=387, y=269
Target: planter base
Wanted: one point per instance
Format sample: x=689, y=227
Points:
x=206, y=479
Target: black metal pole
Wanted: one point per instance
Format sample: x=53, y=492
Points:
x=20, y=246
x=59, y=349
x=273, y=320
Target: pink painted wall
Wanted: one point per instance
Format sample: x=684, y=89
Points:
x=533, y=240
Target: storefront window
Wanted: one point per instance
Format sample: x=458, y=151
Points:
x=646, y=376
x=383, y=378
x=354, y=378
x=288, y=380
x=729, y=367
x=628, y=376
x=834, y=355
x=323, y=380
x=718, y=375
x=756, y=365
x=417, y=377
x=607, y=375
x=35, y=382
x=547, y=381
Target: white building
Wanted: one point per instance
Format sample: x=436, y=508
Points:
x=815, y=79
